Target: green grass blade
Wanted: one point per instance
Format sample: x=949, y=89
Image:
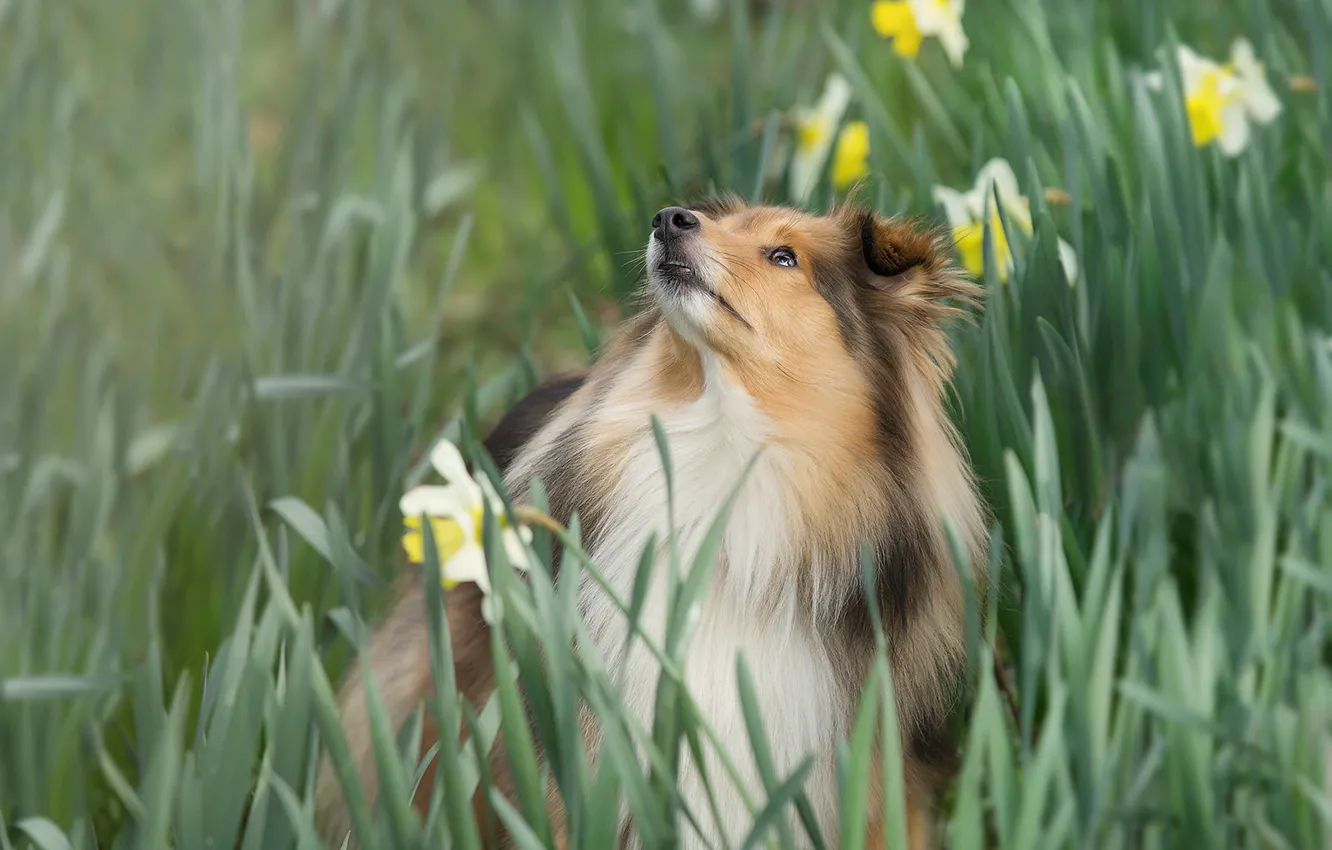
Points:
x=43, y=833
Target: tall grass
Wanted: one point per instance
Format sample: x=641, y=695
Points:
x=255, y=257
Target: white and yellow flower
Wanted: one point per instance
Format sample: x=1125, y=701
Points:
x=817, y=129
x=456, y=512
x=1221, y=100
x=967, y=212
x=909, y=22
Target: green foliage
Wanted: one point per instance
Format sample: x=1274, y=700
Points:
x=254, y=258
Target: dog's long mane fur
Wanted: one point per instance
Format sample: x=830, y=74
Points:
x=788, y=591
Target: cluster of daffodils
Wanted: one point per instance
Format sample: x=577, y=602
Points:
x=819, y=129
x=456, y=511
x=909, y=22
x=996, y=187
x=1221, y=100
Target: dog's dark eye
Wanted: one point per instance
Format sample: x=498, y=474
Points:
x=783, y=257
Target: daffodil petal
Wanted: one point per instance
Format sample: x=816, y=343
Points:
x=433, y=500
x=955, y=205
x=930, y=17
x=1154, y=80
x=943, y=20
x=999, y=174
x=520, y=557
x=1259, y=99
x=1234, y=129
x=467, y=565
x=836, y=97
x=492, y=496
x=955, y=44
x=816, y=134
x=1242, y=55
x=804, y=172
x=1193, y=68
x=1018, y=213
x=978, y=200
x=449, y=463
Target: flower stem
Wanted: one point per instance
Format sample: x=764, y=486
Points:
x=528, y=515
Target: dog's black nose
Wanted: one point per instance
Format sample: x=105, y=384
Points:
x=673, y=221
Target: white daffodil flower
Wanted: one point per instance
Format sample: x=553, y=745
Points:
x=1221, y=100
x=967, y=212
x=909, y=22
x=456, y=512
x=816, y=130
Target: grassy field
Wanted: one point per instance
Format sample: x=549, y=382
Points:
x=256, y=257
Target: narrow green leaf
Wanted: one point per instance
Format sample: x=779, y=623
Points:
x=773, y=814
x=520, y=833
x=855, y=774
x=758, y=742
x=54, y=687
x=43, y=833
x=892, y=761
x=298, y=816
x=393, y=793
x=278, y=387
x=591, y=340
x=159, y=787
x=335, y=739
x=305, y=522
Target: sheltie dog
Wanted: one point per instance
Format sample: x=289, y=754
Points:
x=822, y=341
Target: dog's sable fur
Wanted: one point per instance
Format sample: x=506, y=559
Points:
x=820, y=341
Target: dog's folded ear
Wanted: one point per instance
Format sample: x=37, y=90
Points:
x=909, y=261
x=892, y=246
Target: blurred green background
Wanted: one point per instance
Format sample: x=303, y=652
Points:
x=255, y=256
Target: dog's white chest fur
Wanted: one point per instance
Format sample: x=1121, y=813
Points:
x=750, y=607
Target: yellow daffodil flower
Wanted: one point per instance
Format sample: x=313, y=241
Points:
x=967, y=212
x=456, y=511
x=909, y=22
x=816, y=131
x=1221, y=100
x=850, y=160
